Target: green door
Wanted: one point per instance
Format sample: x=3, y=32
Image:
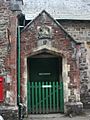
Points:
x=45, y=89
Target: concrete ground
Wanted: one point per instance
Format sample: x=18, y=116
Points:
x=58, y=116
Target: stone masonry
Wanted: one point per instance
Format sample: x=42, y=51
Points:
x=69, y=39
x=8, y=67
x=57, y=40
x=79, y=30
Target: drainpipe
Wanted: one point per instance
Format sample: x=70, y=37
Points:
x=18, y=64
x=18, y=70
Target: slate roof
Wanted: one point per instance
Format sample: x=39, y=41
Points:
x=58, y=9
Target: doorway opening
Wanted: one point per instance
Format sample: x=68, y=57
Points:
x=45, y=84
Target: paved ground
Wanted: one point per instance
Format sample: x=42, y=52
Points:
x=58, y=117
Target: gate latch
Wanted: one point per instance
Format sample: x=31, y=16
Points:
x=46, y=86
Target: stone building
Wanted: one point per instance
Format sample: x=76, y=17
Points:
x=8, y=58
x=44, y=60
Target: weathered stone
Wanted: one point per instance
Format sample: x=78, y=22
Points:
x=79, y=33
x=9, y=113
x=73, y=108
x=60, y=45
x=34, y=41
x=7, y=59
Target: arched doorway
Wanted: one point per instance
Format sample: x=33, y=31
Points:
x=45, y=84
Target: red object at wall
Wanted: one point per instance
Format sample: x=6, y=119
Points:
x=1, y=89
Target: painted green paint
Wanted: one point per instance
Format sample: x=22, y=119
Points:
x=40, y=97
x=33, y=97
x=36, y=96
x=54, y=98
x=18, y=69
x=43, y=101
x=57, y=100
x=61, y=97
x=18, y=65
x=50, y=98
x=46, y=97
x=46, y=90
x=28, y=94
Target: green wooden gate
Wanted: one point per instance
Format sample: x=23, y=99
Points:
x=45, y=97
x=45, y=86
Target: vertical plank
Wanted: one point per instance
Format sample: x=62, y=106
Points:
x=46, y=98
x=61, y=98
x=50, y=95
x=28, y=94
x=36, y=101
x=40, y=97
x=57, y=100
x=54, y=96
x=43, y=98
x=33, y=97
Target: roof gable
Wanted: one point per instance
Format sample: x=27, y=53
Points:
x=43, y=15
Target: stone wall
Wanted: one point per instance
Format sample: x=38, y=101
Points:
x=31, y=37
x=9, y=113
x=57, y=40
x=8, y=34
x=8, y=60
x=88, y=62
x=85, y=75
x=80, y=31
x=4, y=22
